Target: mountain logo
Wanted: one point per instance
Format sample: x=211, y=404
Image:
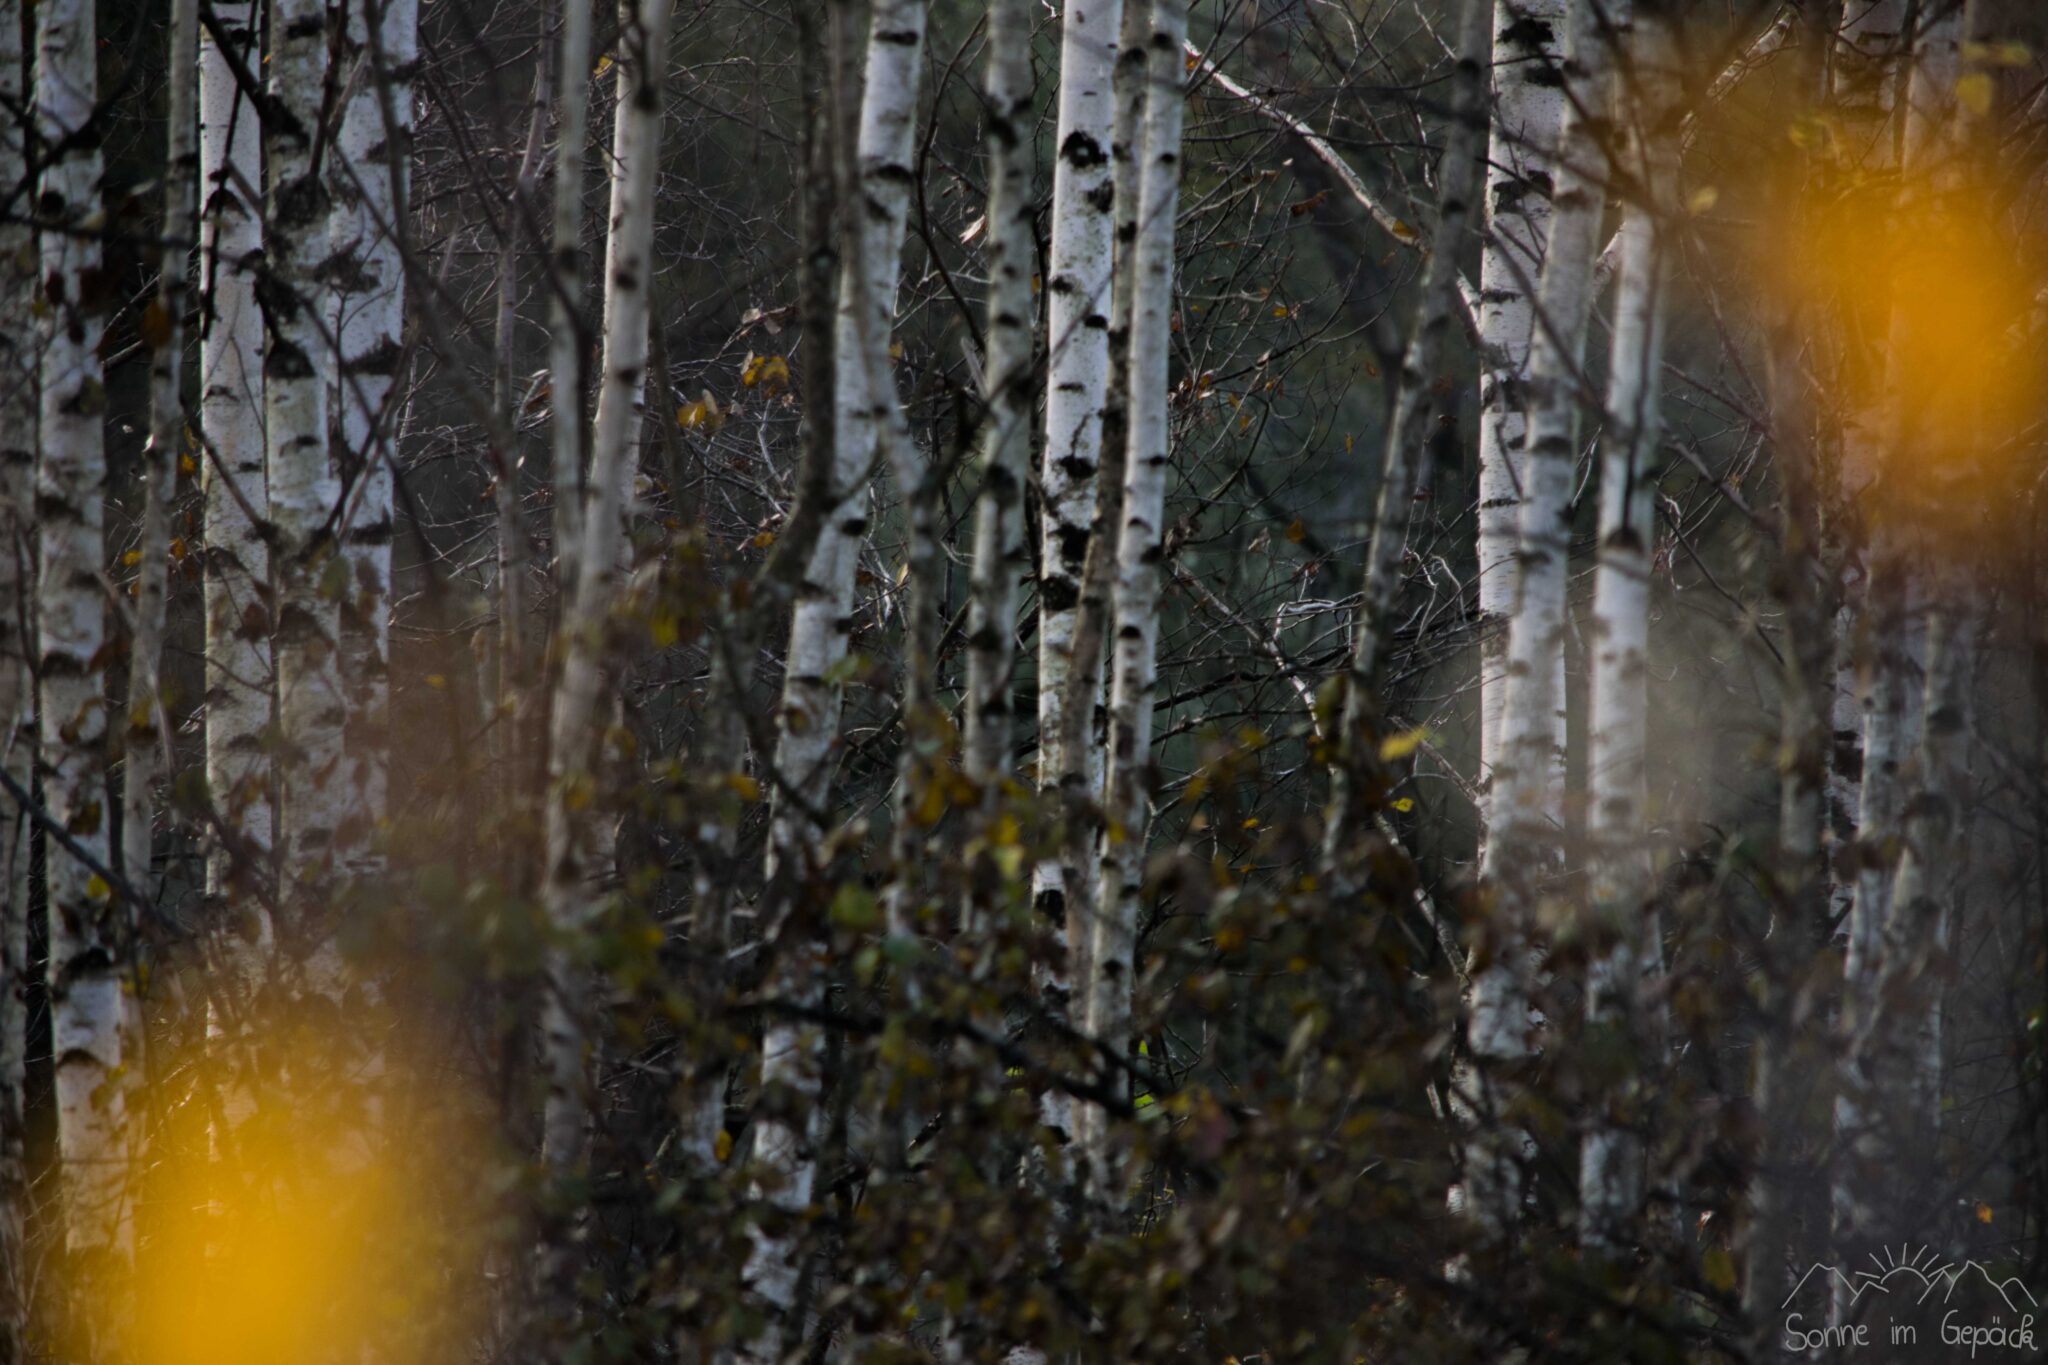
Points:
x=1909, y=1302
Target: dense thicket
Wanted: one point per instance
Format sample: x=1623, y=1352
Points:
x=1279, y=679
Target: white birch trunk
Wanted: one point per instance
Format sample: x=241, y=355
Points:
x=1865, y=77
x=1528, y=113
x=238, y=770
x=865, y=403
x=146, y=732
x=565, y=313
x=1113, y=946
x=18, y=359
x=1521, y=843
x=1006, y=425
x=808, y=722
x=1892, y=721
x=370, y=185
x=1083, y=736
x=85, y=920
x=1922, y=913
x=1077, y=342
x=1610, y=1168
x=573, y=862
x=304, y=484
x=240, y=776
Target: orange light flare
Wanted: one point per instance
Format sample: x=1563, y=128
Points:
x=303, y=1229
x=1926, y=320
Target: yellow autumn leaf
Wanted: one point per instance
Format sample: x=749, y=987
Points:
x=770, y=372
x=743, y=786
x=1394, y=748
x=1719, y=1269
x=1403, y=804
x=2007, y=53
x=1983, y=1213
x=1973, y=93
x=1702, y=199
x=702, y=415
x=96, y=887
x=722, y=1146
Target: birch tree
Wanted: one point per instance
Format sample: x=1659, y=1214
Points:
x=569, y=886
x=1084, y=190
x=567, y=334
x=1528, y=111
x=1865, y=74
x=1080, y=756
x=1007, y=374
x=1610, y=1176
x=231, y=420
x=147, y=729
x=85, y=921
x=1112, y=951
x=303, y=482
x=370, y=191
x=1520, y=844
x=1893, y=597
x=865, y=414
x=1797, y=884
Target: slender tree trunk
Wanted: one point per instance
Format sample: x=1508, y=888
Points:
x=1610, y=1166
x=18, y=388
x=1410, y=442
x=370, y=183
x=1528, y=112
x=85, y=920
x=146, y=732
x=1921, y=923
x=231, y=414
x=568, y=330
x=1894, y=598
x=1864, y=80
x=1082, y=716
x=304, y=486
x=240, y=776
x=1796, y=928
x=1521, y=843
x=866, y=404
x=1005, y=433
x=569, y=893
x=1113, y=947
x=865, y=414
x=1077, y=342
